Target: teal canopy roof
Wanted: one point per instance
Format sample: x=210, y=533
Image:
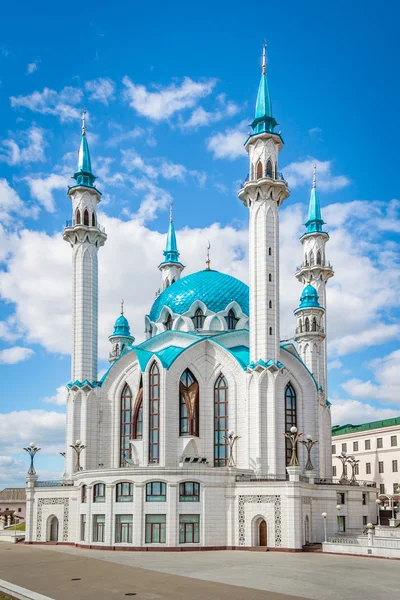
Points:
x=216, y=290
x=263, y=119
x=83, y=174
x=314, y=220
x=121, y=327
x=309, y=298
x=171, y=253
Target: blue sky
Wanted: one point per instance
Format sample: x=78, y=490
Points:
x=170, y=90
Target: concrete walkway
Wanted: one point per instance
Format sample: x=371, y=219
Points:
x=66, y=576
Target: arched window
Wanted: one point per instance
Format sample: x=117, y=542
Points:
x=270, y=331
x=311, y=258
x=78, y=217
x=270, y=304
x=116, y=349
x=269, y=277
x=84, y=494
x=301, y=326
x=314, y=324
x=319, y=259
x=188, y=404
x=290, y=416
x=86, y=217
x=168, y=323
x=173, y=280
x=167, y=283
x=259, y=170
x=154, y=414
x=198, y=319
x=269, y=169
x=93, y=220
x=126, y=425
x=221, y=422
x=307, y=324
x=137, y=429
x=231, y=319
x=269, y=251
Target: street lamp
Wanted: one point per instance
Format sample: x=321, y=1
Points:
x=338, y=508
x=293, y=437
x=378, y=503
x=32, y=450
x=231, y=438
x=308, y=443
x=78, y=447
x=324, y=515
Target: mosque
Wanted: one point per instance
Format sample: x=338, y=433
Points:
x=181, y=443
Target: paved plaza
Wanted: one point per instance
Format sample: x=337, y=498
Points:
x=51, y=570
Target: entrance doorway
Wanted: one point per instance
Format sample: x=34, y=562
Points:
x=54, y=530
x=306, y=530
x=262, y=533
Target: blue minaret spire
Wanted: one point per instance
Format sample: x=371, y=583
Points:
x=171, y=268
x=84, y=175
x=314, y=221
x=263, y=119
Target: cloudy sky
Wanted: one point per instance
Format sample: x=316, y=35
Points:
x=170, y=91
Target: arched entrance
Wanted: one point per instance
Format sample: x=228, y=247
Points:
x=53, y=530
x=306, y=530
x=262, y=533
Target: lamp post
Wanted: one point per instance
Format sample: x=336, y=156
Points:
x=378, y=506
x=78, y=447
x=353, y=463
x=293, y=437
x=231, y=438
x=32, y=450
x=324, y=516
x=308, y=444
x=338, y=508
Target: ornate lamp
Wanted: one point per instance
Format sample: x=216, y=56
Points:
x=231, y=438
x=78, y=447
x=32, y=450
x=308, y=444
x=293, y=436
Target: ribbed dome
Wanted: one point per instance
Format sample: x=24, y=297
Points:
x=121, y=326
x=216, y=290
x=309, y=297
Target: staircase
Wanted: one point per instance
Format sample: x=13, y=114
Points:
x=312, y=547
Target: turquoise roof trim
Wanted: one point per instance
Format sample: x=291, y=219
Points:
x=216, y=290
x=297, y=357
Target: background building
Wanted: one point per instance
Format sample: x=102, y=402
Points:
x=13, y=502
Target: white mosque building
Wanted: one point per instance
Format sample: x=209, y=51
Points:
x=182, y=440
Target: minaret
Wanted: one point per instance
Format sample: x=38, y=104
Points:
x=310, y=333
x=263, y=192
x=121, y=337
x=316, y=270
x=170, y=268
x=85, y=236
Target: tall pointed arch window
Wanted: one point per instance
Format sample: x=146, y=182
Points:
x=259, y=170
x=314, y=324
x=169, y=321
x=307, y=324
x=93, y=220
x=311, y=258
x=78, y=217
x=221, y=422
x=319, y=258
x=86, y=217
x=198, y=319
x=137, y=429
x=269, y=169
x=290, y=416
x=231, y=319
x=125, y=425
x=188, y=404
x=154, y=414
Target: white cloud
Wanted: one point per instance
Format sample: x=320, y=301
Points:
x=49, y=102
x=12, y=356
x=353, y=412
x=12, y=208
x=301, y=173
x=229, y=144
x=379, y=334
x=32, y=67
x=123, y=135
x=161, y=104
x=159, y=167
x=201, y=117
x=335, y=364
x=60, y=397
x=18, y=428
x=386, y=382
x=42, y=188
x=101, y=89
x=32, y=150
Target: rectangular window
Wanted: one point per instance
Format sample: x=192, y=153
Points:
x=368, y=468
x=123, y=529
x=98, y=527
x=189, y=491
x=156, y=529
x=341, y=522
x=355, y=446
x=83, y=528
x=394, y=466
x=333, y=448
x=395, y=488
x=379, y=443
x=365, y=520
x=154, y=415
x=356, y=469
x=367, y=444
x=333, y=471
x=99, y=492
x=156, y=491
x=382, y=488
x=124, y=492
x=364, y=499
x=341, y=498
x=393, y=440
x=344, y=447
x=380, y=466
x=189, y=529
x=83, y=494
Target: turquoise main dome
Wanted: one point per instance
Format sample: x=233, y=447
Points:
x=216, y=290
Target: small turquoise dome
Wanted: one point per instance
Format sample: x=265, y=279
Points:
x=121, y=327
x=309, y=298
x=216, y=290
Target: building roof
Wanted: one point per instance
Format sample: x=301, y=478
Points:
x=309, y=298
x=263, y=119
x=171, y=254
x=83, y=174
x=343, y=429
x=216, y=290
x=13, y=495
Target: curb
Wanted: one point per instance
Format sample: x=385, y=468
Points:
x=20, y=593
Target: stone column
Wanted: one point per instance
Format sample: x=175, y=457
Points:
x=138, y=515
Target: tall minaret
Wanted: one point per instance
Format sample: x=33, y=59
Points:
x=85, y=236
x=316, y=270
x=310, y=333
x=263, y=193
x=171, y=268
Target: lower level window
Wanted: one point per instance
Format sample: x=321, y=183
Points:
x=123, y=529
x=341, y=523
x=155, y=529
x=98, y=527
x=365, y=520
x=83, y=528
x=189, y=526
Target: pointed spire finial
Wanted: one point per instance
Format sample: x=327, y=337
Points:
x=83, y=121
x=170, y=211
x=314, y=183
x=208, y=261
x=122, y=307
x=264, y=58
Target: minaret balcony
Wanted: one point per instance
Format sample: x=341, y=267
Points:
x=279, y=177
x=316, y=331
x=78, y=233
x=73, y=224
x=305, y=267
